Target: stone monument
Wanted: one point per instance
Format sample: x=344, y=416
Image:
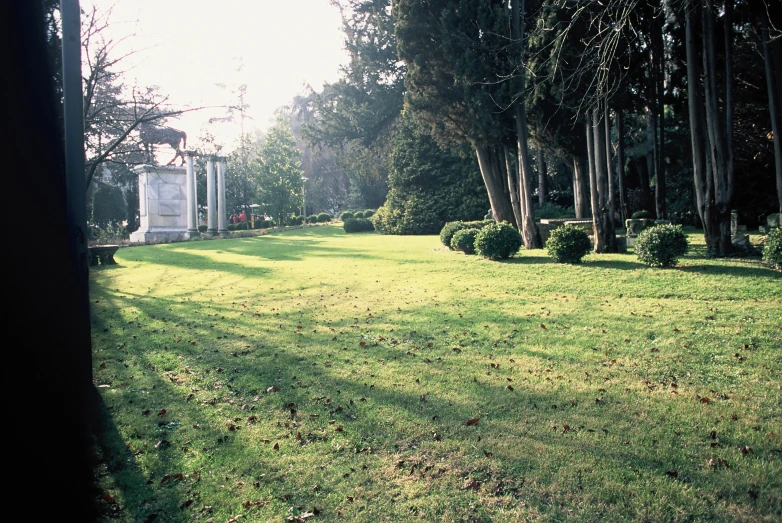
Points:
x=163, y=209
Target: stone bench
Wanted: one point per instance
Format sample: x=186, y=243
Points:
x=555, y=221
x=102, y=253
x=546, y=225
x=586, y=225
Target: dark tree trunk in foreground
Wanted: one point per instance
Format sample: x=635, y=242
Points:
x=773, y=86
x=703, y=188
x=719, y=126
x=47, y=318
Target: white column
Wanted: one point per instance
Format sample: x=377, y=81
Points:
x=190, y=187
x=221, y=217
x=211, y=201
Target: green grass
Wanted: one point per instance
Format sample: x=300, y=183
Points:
x=332, y=374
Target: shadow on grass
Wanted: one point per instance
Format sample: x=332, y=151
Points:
x=735, y=270
x=440, y=413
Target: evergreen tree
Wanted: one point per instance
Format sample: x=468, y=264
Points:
x=279, y=173
x=429, y=186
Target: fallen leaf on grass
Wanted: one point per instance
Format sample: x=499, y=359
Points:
x=161, y=412
x=273, y=388
x=672, y=473
x=187, y=503
x=718, y=462
x=474, y=485
x=473, y=421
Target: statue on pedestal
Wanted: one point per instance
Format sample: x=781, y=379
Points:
x=155, y=135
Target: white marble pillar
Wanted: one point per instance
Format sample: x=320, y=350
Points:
x=211, y=200
x=192, y=204
x=222, y=230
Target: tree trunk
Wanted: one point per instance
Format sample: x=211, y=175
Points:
x=651, y=157
x=772, y=81
x=529, y=232
x=620, y=165
x=610, y=175
x=500, y=204
x=643, y=177
x=542, y=178
x=593, y=197
x=703, y=194
x=718, y=142
x=580, y=186
x=659, y=80
x=513, y=188
x=605, y=237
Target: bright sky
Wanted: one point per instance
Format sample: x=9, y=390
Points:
x=188, y=47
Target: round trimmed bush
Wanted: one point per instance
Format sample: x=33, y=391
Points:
x=369, y=213
x=772, y=251
x=359, y=214
x=357, y=225
x=448, y=230
x=312, y=218
x=498, y=241
x=568, y=244
x=661, y=245
x=464, y=240
x=324, y=217
x=229, y=227
x=346, y=216
x=641, y=215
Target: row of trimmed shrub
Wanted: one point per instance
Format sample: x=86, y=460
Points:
x=487, y=238
x=346, y=215
x=323, y=217
x=658, y=246
x=357, y=225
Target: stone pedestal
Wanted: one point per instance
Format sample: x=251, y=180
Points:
x=162, y=193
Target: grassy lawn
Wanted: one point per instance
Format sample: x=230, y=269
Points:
x=331, y=377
